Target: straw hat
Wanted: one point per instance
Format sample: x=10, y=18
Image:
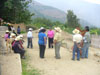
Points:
x=9, y=24
x=58, y=29
x=17, y=38
x=12, y=34
x=7, y=31
x=76, y=31
x=30, y=29
x=21, y=36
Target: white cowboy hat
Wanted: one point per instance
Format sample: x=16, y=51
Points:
x=7, y=31
x=21, y=36
x=58, y=29
x=17, y=38
x=30, y=29
x=12, y=34
x=41, y=28
x=76, y=31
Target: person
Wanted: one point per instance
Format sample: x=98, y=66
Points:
x=12, y=28
x=77, y=39
x=87, y=41
x=6, y=35
x=12, y=37
x=29, y=37
x=50, y=35
x=41, y=29
x=42, y=42
x=18, y=30
x=17, y=47
x=57, y=42
x=9, y=26
x=14, y=32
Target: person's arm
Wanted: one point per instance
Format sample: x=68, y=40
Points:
x=54, y=41
x=20, y=46
x=45, y=40
x=48, y=34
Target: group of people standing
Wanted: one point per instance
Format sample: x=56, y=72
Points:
x=81, y=43
x=53, y=39
x=11, y=28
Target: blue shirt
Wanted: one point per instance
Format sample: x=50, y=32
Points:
x=18, y=29
x=41, y=38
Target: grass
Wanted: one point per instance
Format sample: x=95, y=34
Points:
x=22, y=32
x=28, y=70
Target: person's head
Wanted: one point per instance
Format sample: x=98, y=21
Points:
x=12, y=35
x=76, y=31
x=58, y=29
x=18, y=26
x=50, y=28
x=17, y=38
x=21, y=36
x=87, y=28
x=43, y=30
x=30, y=29
x=7, y=32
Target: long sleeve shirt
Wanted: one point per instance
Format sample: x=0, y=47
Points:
x=29, y=34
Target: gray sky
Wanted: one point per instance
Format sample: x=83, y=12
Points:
x=88, y=10
x=61, y=4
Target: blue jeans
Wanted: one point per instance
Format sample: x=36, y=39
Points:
x=30, y=43
x=76, y=49
x=85, y=50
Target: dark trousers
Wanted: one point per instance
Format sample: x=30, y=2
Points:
x=30, y=43
x=42, y=50
x=50, y=42
x=21, y=52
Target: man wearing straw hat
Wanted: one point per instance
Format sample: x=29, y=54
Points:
x=29, y=37
x=77, y=39
x=17, y=47
x=57, y=42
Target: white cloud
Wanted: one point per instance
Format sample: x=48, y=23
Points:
x=94, y=1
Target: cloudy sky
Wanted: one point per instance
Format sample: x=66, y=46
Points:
x=88, y=10
x=61, y=4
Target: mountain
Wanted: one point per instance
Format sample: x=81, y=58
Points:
x=55, y=14
x=48, y=12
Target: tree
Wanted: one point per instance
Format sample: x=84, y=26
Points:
x=15, y=11
x=72, y=20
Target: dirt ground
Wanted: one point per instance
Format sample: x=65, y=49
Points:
x=64, y=66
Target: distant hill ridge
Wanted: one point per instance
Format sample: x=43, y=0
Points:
x=51, y=13
x=48, y=12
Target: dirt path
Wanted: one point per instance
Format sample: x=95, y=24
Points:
x=64, y=66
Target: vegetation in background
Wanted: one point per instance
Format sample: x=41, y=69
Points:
x=72, y=20
x=95, y=31
x=22, y=32
x=15, y=11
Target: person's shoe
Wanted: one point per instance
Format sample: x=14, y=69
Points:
x=73, y=59
x=78, y=59
x=58, y=57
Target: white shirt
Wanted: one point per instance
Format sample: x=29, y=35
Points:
x=12, y=28
x=29, y=34
x=77, y=38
